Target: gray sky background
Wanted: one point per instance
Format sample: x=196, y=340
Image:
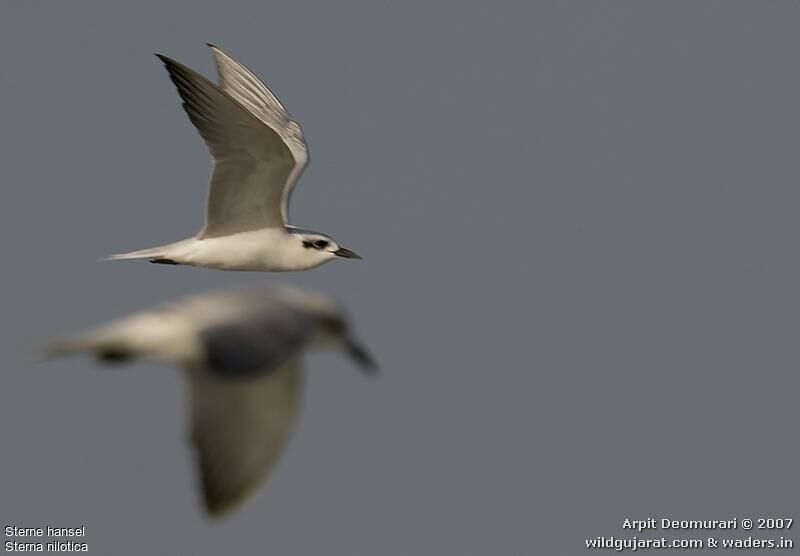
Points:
x=579, y=225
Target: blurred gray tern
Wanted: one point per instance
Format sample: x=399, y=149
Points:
x=258, y=152
x=240, y=351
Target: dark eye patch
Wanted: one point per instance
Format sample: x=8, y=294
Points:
x=317, y=244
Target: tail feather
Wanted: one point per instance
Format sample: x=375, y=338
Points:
x=106, y=352
x=156, y=335
x=164, y=252
x=67, y=346
x=152, y=253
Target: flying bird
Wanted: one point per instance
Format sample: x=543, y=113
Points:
x=258, y=152
x=240, y=351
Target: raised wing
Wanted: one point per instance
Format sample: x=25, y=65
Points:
x=252, y=163
x=249, y=91
x=238, y=429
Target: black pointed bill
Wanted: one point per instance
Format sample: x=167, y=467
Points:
x=362, y=357
x=346, y=253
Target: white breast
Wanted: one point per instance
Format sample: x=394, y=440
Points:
x=261, y=250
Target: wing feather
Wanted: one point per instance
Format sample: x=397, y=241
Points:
x=252, y=163
x=238, y=430
x=242, y=85
x=256, y=343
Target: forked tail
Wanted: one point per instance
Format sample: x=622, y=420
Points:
x=105, y=352
x=162, y=253
x=152, y=253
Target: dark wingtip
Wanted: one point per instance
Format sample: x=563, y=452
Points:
x=160, y=260
x=113, y=356
x=215, y=509
x=217, y=504
x=166, y=60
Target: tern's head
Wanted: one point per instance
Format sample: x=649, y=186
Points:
x=317, y=248
x=332, y=327
x=335, y=331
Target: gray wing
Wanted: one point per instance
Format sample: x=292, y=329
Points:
x=261, y=340
x=238, y=429
x=249, y=91
x=252, y=163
